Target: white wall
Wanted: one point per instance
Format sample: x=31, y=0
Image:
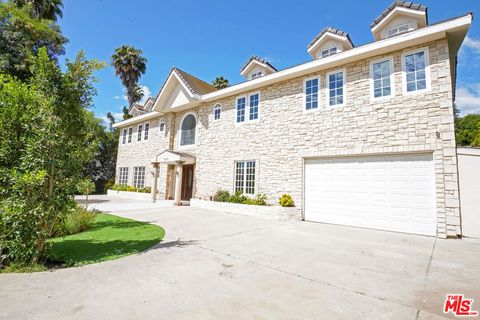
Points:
x=469, y=178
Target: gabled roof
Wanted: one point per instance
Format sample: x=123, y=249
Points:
x=195, y=85
x=259, y=60
x=335, y=31
x=399, y=3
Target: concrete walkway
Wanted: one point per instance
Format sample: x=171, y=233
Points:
x=215, y=265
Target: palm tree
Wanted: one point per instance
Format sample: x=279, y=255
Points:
x=129, y=66
x=136, y=93
x=43, y=9
x=220, y=83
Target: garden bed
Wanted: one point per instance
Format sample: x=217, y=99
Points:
x=271, y=212
x=130, y=194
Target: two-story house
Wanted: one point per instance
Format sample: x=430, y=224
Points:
x=360, y=135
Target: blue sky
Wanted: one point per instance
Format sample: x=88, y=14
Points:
x=215, y=38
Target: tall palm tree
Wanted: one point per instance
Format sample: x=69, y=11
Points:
x=129, y=65
x=220, y=83
x=43, y=9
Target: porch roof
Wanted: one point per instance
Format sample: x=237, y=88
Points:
x=173, y=157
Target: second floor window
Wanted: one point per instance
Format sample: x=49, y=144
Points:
x=217, y=110
x=187, y=133
x=311, y=94
x=398, y=30
x=415, y=74
x=139, y=133
x=162, y=125
x=145, y=131
x=241, y=109
x=253, y=101
x=130, y=133
x=336, y=83
x=381, y=74
x=124, y=136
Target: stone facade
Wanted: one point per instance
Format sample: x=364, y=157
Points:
x=285, y=134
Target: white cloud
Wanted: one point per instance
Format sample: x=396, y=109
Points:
x=468, y=98
x=472, y=44
x=116, y=97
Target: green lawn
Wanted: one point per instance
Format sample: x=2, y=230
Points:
x=110, y=238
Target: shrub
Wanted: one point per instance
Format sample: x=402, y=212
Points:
x=145, y=190
x=85, y=187
x=77, y=221
x=286, y=200
x=221, y=196
x=238, y=197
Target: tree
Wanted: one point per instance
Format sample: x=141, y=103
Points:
x=21, y=37
x=43, y=9
x=126, y=114
x=220, y=83
x=467, y=130
x=45, y=142
x=85, y=187
x=129, y=65
x=136, y=94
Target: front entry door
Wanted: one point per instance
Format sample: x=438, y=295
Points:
x=187, y=181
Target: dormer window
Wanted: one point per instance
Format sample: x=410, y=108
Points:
x=329, y=42
x=398, y=30
x=328, y=52
x=400, y=17
x=256, y=67
x=256, y=75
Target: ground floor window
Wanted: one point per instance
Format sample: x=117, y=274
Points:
x=123, y=176
x=245, y=177
x=139, y=177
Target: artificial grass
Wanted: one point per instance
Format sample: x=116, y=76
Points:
x=111, y=237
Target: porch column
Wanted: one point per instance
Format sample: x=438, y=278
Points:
x=155, y=181
x=178, y=183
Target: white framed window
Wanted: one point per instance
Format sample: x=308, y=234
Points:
x=382, y=78
x=161, y=125
x=217, y=110
x=336, y=88
x=311, y=93
x=139, y=177
x=130, y=133
x=416, y=71
x=241, y=103
x=253, y=101
x=124, y=136
x=245, y=177
x=123, y=176
x=256, y=75
x=251, y=113
x=328, y=52
x=145, y=131
x=188, y=129
x=393, y=31
x=139, y=133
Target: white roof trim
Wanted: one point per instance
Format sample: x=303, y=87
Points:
x=133, y=120
x=415, y=37
x=249, y=66
x=394, y=12
x=331, y=35
x=174, y=76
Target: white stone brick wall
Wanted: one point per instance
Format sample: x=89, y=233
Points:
x=285, y=133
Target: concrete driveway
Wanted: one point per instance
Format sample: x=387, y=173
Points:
x=215, y=265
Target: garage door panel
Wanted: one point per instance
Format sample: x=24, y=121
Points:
x=384, y=192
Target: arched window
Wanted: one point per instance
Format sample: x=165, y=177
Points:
x=217, y=110
x=162, y=125
x=189, y=124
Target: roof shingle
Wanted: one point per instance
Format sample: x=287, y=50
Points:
x=331, y=30
x=257, y=58
x=399, y=3
x=194, y=84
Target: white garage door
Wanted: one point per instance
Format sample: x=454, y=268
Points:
x=394, y=193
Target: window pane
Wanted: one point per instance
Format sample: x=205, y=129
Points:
x=253, y=107
x=311, y=94
x=336, y=88
x=421, y=85
x=410, y=86
x=189, y=124
x=147, y=127
x=241, y=110
x=139, y=133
